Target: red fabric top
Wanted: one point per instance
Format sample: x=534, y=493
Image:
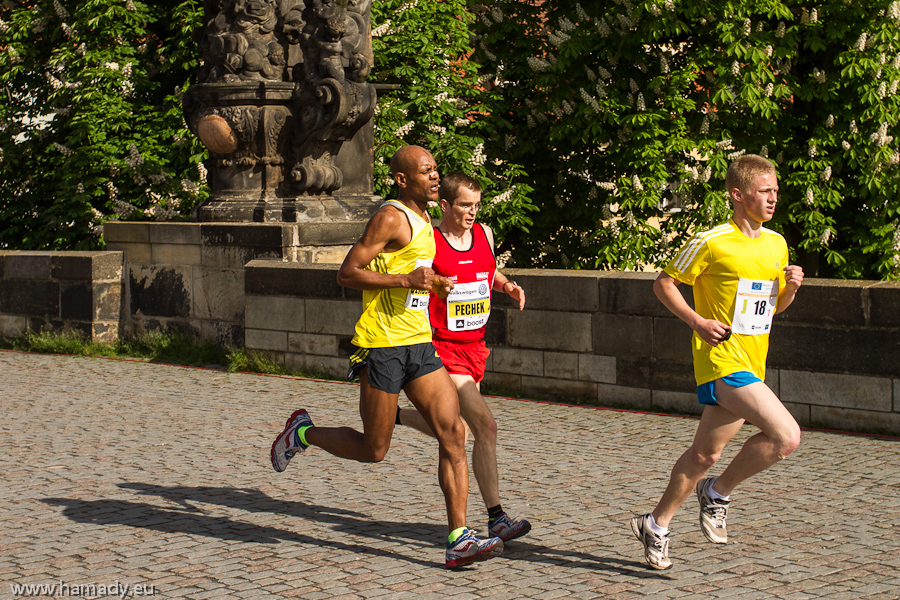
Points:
x=469, y=304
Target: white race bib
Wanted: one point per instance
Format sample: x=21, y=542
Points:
x=469, y=306
x=754, y=306
x=418, y=299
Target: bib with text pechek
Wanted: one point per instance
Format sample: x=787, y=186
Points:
x=418, y=299
x=754, y=306
x=468, y=306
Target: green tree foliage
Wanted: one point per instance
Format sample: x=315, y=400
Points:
x=626, y=115
x=90, y=121
x=440, y=102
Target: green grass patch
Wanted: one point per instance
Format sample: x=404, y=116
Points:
x=169, y=347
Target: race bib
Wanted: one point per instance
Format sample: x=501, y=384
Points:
x=754, y=306
x=418, y=299
x=469, y=306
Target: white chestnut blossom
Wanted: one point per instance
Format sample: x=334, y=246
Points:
x=636, y=182
x=826, y=174
x=810, y=197
x=829, y=122
x=779, y=31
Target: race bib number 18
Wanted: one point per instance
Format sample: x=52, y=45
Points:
x=469, y=306
x=754, y=306
x=418, y=299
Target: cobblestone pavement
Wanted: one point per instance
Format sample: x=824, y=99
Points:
x=116, y=473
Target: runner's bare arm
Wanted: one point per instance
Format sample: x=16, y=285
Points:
x=666, y=289
x=514, y=290
x=388, y=230
x=793, y=279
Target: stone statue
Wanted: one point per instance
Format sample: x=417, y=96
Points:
x=281, y=92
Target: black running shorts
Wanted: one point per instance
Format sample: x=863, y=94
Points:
x=392, y=368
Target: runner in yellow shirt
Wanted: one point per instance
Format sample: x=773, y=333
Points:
x=391, y=264
x=741, y=278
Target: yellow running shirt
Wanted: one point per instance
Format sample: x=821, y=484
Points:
x=736, y=281
x=398, y=316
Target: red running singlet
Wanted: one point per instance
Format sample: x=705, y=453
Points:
x=463, y=316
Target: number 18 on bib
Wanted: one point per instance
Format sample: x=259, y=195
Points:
x=754, y=306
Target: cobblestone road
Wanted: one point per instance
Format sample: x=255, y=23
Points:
x=126, y=473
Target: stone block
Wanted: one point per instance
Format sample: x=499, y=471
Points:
x=27, y=265
x=859, y=350
x=266, y=277
x=495, y=332
x=160, y=291
x=236, y=257
x=333, y=255
x=623, y=396
x=884, y=304
x=262, y=339
x=275, y=313
x=72, y=266
x=800, y=412
x=823, y=302
x=176, y=254
x=502, y=383
x=546, y=387
x=175, y=233
x=773, y=380
x=337, y=317
x=834, y=389
x=218, y=294
x=633, y=372
x=13, y=325
x=261, y=235
x=310, y=343
x=672, y=340
x=317, y=365
x=622, y=335
x=38, y=298
x=632, y=294
x=226, y=335
x=847, y=419
x=553, y=289
x=597, y=368
x=561, y=365
x=105, y=332
x=550, y=330
x=108, y=301
x=330, y=234
x=676, y=377
x=134, y=252
x=519, y=361
x=682, y=403
x=76, y=300
x=120, y=231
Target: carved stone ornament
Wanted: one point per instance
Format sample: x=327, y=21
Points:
x=281, y=92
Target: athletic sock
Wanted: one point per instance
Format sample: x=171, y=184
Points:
x=301, y=434
x=714, y=494
x=494, y=512
x=398, y=416
x=454, y=535
x=657, y=529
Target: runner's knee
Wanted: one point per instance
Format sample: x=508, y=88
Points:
x=703, y=458
x=375, y=452
x=788, y=442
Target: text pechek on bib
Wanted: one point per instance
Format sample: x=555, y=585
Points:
x=469, y=306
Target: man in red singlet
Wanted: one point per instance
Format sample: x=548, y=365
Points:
x=465, y=254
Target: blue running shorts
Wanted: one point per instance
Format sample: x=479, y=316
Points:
x=706, y=392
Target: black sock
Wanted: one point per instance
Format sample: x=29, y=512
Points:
x=398, y=416
x=494, y=512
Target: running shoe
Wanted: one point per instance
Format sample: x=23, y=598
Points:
x=656, y=547
x=288, y=443
x=712, y=513
x=507, y=528
x=468, y=549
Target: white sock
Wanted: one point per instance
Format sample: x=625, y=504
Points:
x=714, y=494
x=651, y=523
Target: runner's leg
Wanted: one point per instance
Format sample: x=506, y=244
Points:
x=779, y=433
x=717, y=426
x=475, y=411
x=435, y=398
x=378, y=410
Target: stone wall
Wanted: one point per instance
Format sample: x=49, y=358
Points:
x=604, y=338
x=62, y=291
x=190, y=276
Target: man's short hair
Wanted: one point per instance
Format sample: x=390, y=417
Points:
x=451, y=182
x=743, y=171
